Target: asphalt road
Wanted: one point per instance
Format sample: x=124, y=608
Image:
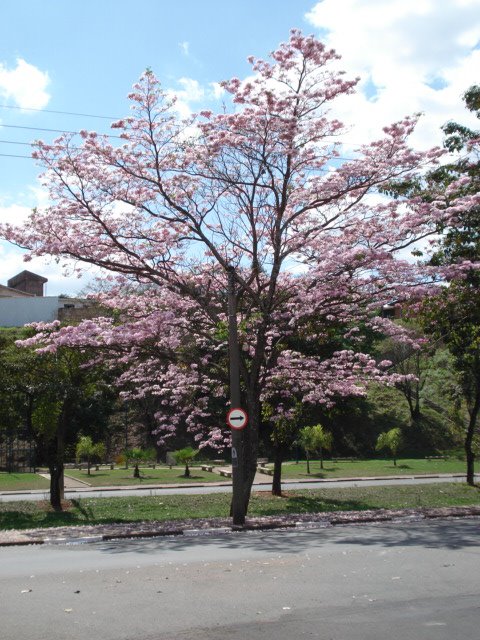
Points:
x=409, y=581
x=205, y=489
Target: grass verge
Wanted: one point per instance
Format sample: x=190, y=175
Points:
x=369, y=468
x=160, y=475
x=90, y=511
x=22, y=481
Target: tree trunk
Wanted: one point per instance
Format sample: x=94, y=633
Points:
x=56, y=485
x=55, y=467
x=187, y=471
x=136, y=472
x=250, y=443
x=414, y=406
x=277, y=471
x=308, y=461
x=321, y=458
x=470, y=456
x=416, y=411
x=57, y=458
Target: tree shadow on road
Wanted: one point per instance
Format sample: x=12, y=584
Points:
x=449, y=534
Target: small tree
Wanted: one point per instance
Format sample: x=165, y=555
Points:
x=305, y=441
x=185, y=456
x=86, y=449
x=392, y=441
x=314, y=439
x=135, y=455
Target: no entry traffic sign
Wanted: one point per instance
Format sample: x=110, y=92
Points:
x=237, y=418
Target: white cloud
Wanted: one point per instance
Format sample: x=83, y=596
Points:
x=192, y=96
x=217, y=90
x=12, y=257
x=185, y=47
x=12, y=262
x=17, y=212
x=62, y=277
x=25, y=85
x=14, y=213
x=412, y=56
x=191, y=91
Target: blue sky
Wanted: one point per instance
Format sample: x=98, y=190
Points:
x=83, y=57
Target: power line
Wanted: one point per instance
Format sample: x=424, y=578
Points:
x=17, y=126
x=65, y=113
x=27, y=144
x=12, y=155
x=112, y=118
x=31, y=144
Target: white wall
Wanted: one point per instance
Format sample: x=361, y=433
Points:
x=15, y=312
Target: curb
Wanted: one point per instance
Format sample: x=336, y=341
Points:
x=211, y=528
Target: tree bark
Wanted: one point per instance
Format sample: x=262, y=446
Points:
x=56, y=485
x=277, y=471
x=57, y=459
x=250, y=443
x=469, y=454
x=414, y=406
x=56, y=468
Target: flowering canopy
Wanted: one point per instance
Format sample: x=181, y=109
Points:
x=170, y=204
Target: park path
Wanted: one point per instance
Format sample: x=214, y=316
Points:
x=70, y=483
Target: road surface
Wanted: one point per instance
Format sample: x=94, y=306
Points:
x=409, y=581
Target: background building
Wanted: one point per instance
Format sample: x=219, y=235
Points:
x=22, y=301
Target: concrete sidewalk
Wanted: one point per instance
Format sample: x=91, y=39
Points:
x=68, y=481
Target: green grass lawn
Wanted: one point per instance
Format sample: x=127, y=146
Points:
x=290, y=470
x=366, y=468
x=25, y=515
x=160, y=475
x=22, y=481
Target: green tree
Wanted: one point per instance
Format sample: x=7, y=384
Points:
x=51, y=394
x=136, y=455
x=454, y=316
x=411, y=362
x=392, y=441
x=315, y=439
x=86, y=449
x=280, y=434
x=185, y=456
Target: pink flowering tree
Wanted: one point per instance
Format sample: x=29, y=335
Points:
x=171, y=204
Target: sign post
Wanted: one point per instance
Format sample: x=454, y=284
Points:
x=234, y=418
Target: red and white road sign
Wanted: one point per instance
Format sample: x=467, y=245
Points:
x=237, y=418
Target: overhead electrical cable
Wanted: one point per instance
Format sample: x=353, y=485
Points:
x=65, y=113
x=12, y=155
x=32, y=144
x=17, y=126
